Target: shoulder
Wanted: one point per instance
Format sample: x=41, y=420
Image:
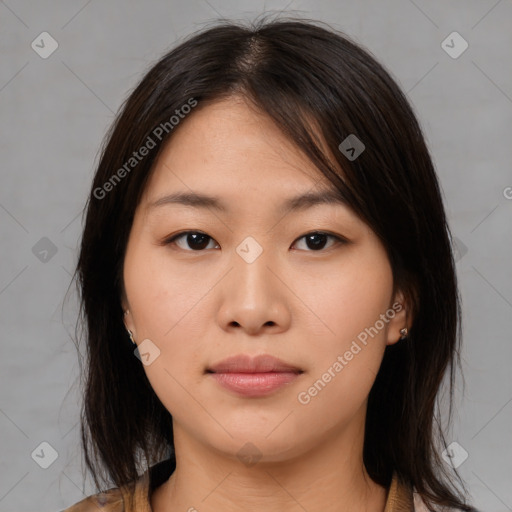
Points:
x=107, y=501
x=132, y=497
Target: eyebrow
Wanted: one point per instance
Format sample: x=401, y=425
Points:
x=297, y=203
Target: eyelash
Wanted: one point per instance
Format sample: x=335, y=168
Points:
x=171, y=240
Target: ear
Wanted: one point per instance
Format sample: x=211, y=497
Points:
x=399, y=315
x=127, y=315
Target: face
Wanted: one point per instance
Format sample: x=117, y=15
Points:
x=310, y=285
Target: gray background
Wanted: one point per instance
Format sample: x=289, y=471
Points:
x=55, y=112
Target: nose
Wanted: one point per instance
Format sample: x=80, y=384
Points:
x=253, y=297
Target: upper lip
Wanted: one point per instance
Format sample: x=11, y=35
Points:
x=244, y=363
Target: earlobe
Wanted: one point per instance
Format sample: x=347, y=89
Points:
x=125, y=318
x=129, y=325
x=124, y=304
x=399, y=324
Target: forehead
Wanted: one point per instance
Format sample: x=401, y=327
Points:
x=229, y=147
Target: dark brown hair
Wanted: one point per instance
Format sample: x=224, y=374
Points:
x=310, y=79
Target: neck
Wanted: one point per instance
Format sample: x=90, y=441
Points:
x=330, y=477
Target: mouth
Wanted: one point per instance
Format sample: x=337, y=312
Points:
x=253, y=376
x=245, y=363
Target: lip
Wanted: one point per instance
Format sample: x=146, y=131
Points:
x=253, y=376
x=244, y=363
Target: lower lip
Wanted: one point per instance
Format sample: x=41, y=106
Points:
x=254, y=384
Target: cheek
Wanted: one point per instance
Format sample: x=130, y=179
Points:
x=167, y=309
x=163, y=298
x=348, y=297
x=349, y=335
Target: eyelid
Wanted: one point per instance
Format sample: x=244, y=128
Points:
x=339, y=239
x=171, y=239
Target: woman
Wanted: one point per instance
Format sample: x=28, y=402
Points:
x=266, y=226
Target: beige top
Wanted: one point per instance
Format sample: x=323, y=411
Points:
x=401, y=498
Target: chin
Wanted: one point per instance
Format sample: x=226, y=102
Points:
x=253, y=447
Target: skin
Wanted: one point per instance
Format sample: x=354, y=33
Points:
x=298, y=303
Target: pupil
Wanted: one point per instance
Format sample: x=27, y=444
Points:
x=192, y=239
x=316, y=245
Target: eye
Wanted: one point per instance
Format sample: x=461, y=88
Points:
x=197, y=240
x=316, y=240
